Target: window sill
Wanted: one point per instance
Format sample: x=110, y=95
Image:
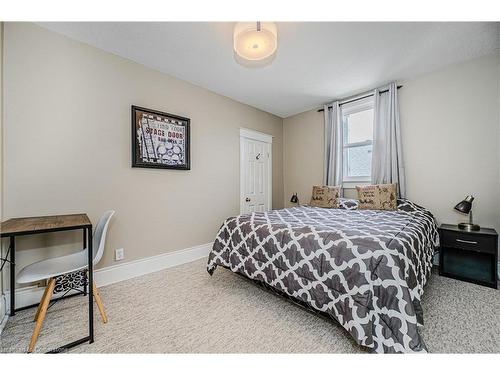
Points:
x=353, y=184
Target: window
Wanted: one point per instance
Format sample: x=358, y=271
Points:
x=357, y=131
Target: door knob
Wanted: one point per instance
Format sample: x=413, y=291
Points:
x=247, y=200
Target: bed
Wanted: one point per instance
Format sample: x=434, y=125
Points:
x=364, y=268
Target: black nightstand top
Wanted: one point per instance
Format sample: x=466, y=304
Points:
x=482, y=231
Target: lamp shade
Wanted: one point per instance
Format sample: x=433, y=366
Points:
x=466, y=205
x=255, y=43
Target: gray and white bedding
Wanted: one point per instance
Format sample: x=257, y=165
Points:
x=364, y=268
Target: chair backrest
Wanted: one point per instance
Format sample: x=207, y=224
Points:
x=99, y=237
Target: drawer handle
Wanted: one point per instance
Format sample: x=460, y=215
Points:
x=465, y=241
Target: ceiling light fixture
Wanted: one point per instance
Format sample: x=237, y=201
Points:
x=255, y=43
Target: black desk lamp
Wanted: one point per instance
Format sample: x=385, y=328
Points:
x=465, y=207
x=295, y=198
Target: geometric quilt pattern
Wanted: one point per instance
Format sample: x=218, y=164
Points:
x=364, y=268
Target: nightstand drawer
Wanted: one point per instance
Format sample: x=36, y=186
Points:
x=466, y=241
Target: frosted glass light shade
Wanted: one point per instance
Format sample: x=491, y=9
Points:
x=255, y=47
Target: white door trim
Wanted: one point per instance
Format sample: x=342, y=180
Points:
x=254, y=134
x=262, y=137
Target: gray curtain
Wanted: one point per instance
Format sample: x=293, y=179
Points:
x=333, y=144
x=387, y=155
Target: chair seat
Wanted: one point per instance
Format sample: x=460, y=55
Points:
x=48, y=268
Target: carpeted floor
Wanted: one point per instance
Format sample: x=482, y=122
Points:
x=183, y=310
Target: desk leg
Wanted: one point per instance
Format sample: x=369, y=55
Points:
x=90, y=283
x=12, y=276
x=84, y=247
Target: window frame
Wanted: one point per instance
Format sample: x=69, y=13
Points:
x=348, y=109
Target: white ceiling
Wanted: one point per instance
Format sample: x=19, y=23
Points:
x=315, y=62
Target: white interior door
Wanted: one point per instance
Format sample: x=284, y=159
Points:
x=255, y=155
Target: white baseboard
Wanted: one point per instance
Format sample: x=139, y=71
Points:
x=109, y=275
x=135, y=268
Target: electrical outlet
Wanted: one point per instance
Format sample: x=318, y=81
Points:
x=119, y=254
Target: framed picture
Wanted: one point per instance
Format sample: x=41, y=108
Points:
x=159, y=140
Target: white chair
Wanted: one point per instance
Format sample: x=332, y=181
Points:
x=49, y=269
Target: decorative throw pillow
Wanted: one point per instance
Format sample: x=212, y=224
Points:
x=377, y=197
x=325, y=196
x=348, y=204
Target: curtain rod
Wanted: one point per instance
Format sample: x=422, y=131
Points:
x=361, y=97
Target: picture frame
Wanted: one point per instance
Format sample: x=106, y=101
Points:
x=160, y=140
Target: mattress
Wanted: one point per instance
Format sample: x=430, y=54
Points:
x=364, y=268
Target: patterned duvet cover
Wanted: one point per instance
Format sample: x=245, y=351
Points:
x=364, y=268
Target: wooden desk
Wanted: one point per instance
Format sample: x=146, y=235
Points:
x=44, y=224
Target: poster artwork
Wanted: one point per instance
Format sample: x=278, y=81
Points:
x=160, y=140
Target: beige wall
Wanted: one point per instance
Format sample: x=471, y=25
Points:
x=67, y=131
x=2, y=301
x=450, y=131
x=498, y=72
x=303, y=154
x=450, y=135
x=1, y=121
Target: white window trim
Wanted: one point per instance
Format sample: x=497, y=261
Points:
x=347, y=109
x=353, y=184
x=358, y=105
x=357, y=144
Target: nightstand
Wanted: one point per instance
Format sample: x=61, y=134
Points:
x=469, y=256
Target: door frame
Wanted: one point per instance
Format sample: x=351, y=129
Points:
x=262, y=137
